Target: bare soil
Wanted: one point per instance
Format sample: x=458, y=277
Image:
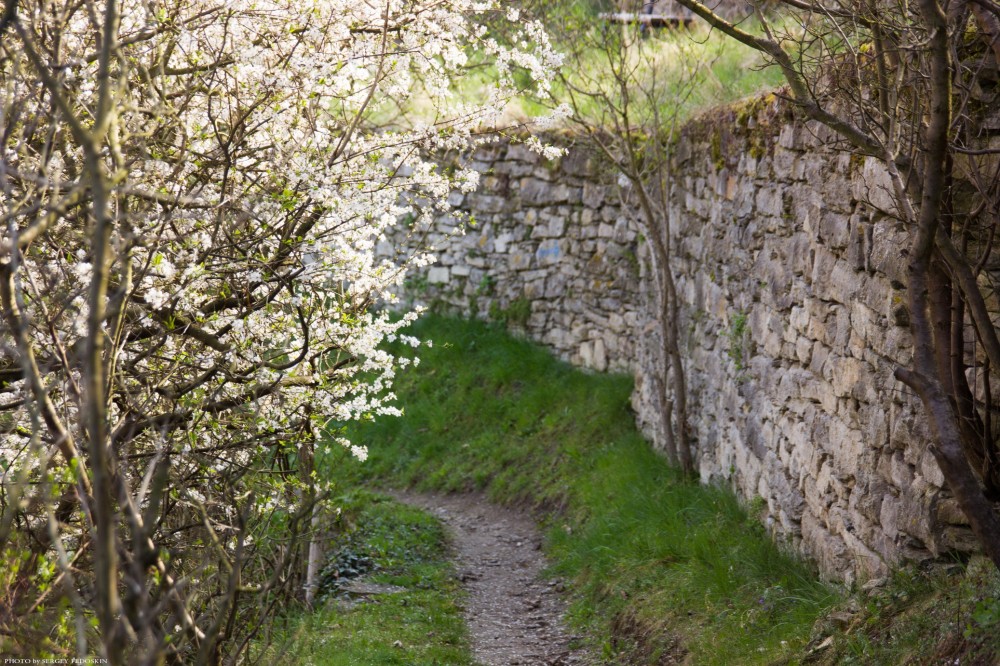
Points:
x=515, y=616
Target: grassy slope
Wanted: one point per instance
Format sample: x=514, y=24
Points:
x=661, y=564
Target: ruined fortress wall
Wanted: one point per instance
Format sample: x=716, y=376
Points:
x=790, y=268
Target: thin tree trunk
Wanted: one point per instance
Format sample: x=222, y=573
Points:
x=948, y=450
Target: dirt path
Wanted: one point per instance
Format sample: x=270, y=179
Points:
x=514, y=615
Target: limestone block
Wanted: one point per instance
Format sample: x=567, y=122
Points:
x=520, y=260
x=868, y=497
x=486, y=203
x=769, y=202
x=537, y=322
x=600, y=355
x=554, y=227
x=829, y=551
x=875, y=424
x=807, y=207
x=868, y=564
x=438, y=275
x=577, y=162
x=536, y=192
x=888, y=239
x=610, y=213
x=555, y=286
x=544, y=172
x=518, y=152
x=834, y=229
x=822, y=320
x=930, y=469
x=837, y=281
x=768, y=329
x=798, y=257
x=534, y=289
x=874, y=187
x=803, y=350
x=798, y=319
x=791, y=136
x=847, y=374
x=622, y=230
x=513, y=169
x=594, y=195
x=817, y=134
x=556, y=337
x=502, y=242
x=785, y=161
x=865, y=321
x=900, y=473
x=798, y=170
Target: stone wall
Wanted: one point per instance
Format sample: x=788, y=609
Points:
x=790, y=271
x=550, y=250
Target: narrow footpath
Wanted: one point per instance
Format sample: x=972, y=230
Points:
x=515, y=616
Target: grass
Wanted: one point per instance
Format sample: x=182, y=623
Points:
x=661, y=564
x=416, y=622
x=944, y=614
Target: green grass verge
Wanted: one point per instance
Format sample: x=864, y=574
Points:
x=661, y=564
x=383, y=543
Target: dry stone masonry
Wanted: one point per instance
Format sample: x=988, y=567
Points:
x=791, y=272
x=549, y=250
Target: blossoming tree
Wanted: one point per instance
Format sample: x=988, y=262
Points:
x=191, y=194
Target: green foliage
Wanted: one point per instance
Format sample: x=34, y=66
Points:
x=421, y=624
x=487, y=285
x=516, y=314
x=659, y=560
x=938, y=614
x=738, y=336
x=417, y=284
x=985, y=616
